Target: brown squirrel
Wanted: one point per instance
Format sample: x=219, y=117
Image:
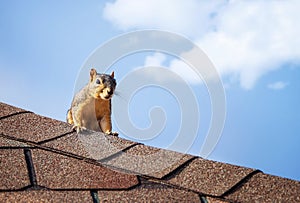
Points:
x=91, y=106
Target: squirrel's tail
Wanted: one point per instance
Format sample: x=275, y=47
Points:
x=70, y=117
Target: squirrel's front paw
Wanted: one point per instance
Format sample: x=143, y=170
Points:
x=78, y=129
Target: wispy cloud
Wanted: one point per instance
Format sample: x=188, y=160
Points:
x=244, y=39
x=277, y=85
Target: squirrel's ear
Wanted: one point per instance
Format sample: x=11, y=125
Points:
x=112, y=74
x=93, y=74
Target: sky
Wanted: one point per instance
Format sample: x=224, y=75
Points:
x=254, y=46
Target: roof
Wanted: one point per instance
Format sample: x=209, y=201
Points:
x=42, y=159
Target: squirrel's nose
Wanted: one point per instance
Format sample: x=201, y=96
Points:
x=110, y=92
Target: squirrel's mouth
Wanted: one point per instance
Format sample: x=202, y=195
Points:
x=105, y=97
x=105, y=94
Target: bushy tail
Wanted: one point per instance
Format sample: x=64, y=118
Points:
x=70, y=117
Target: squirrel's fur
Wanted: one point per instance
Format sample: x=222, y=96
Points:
x=91, y=106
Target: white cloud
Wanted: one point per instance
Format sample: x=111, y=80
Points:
x=177, y=66
x=185, y=71
x=244, y=39
x=254, y=38
x=277, y=85
x=157, y=59
x=190, y=17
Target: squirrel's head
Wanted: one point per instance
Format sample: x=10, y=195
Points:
x=102, y=85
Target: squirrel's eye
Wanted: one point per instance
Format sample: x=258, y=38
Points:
x=98, y=81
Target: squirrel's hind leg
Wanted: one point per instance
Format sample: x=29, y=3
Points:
x=70, y=117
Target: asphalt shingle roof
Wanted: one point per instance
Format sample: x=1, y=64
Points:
x=43, y=160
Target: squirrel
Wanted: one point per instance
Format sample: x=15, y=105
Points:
x=91, y=106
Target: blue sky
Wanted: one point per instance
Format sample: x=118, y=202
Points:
x=253, y=44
